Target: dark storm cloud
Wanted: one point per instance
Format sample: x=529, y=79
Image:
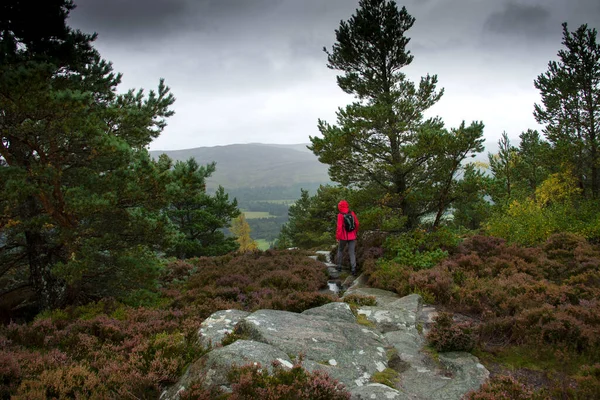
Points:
x=520, y=19
x=128, y=18
x=151, y=19
x=263, y=61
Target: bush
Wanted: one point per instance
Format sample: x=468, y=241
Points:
x=387, y=275
x=503, y=388
x=109, y=349
x=446, y=335
x=281, y=280
x=419, y=249
x=588, y=382
x=530, y=222
x=255, y=382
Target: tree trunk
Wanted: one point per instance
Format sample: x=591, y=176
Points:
x=50, y=290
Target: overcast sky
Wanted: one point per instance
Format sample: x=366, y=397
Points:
x=247, y=71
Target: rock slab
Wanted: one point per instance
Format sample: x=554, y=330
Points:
x=388, y=336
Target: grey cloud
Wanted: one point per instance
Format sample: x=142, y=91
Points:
x=126, y=19
x=520, y=19
x=263, y=57
x=120, y=19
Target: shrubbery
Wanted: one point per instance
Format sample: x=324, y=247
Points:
x=274, y=280
x=255, y=382
x=557, y=206
x=118, y=352
x=544, y=297
x=110, y=350
x=446, y=335
x=420, y=249
x=526, y=295
x=503, y=388
x=404, y=254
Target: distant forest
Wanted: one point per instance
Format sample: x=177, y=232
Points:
x=272, y=199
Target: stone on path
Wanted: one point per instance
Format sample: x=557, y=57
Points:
x=389, y=336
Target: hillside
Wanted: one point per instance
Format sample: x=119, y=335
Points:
x=256, y=165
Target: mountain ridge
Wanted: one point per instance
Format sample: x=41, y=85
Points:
x=256, y=164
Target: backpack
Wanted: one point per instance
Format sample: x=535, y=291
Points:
x=349, y=223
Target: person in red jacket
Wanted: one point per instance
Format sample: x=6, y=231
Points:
x=344, y=237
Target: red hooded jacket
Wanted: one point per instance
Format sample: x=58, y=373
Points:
x=341, y=233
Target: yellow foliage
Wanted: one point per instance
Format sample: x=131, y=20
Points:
x=241, y=229
x=11, y=223
x=557, y=188
x=481, y=165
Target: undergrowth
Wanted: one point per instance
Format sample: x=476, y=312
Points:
x=110, y=350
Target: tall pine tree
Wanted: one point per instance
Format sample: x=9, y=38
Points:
x=383, y=138
x=81, y=199
x=570, y=107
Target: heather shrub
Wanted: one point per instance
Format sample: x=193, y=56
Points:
x=177, y=271
x=296, y=301
x=503, y=387
x=75, y=382
x=546, y=297
x=82, y=352
x=437, y=285
x=588, y=382
x=284, y=280
x=447, y=335
x=199, y=392
x=109, y=349
x=255, y=382
x=483, y=246
x=543, y=297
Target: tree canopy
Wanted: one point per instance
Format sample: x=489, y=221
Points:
x=83, y=204
x=570, y=108
x=198, y=216
x=383, y=138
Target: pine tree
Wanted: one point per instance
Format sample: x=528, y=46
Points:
x=199, y=216
x=383, y=138
x=570, y=108
x=81, y=199
x=472, y=208
x=533, y=163
x=503, y=167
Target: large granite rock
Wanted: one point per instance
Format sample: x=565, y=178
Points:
x=331, y=339
x=214, y=328
x=352, y=352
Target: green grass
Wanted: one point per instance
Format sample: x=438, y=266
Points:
x=534, y=358
x=263, y=244
x=257, y=214
x=387, y=377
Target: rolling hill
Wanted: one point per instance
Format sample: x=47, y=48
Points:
x=256, y=165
